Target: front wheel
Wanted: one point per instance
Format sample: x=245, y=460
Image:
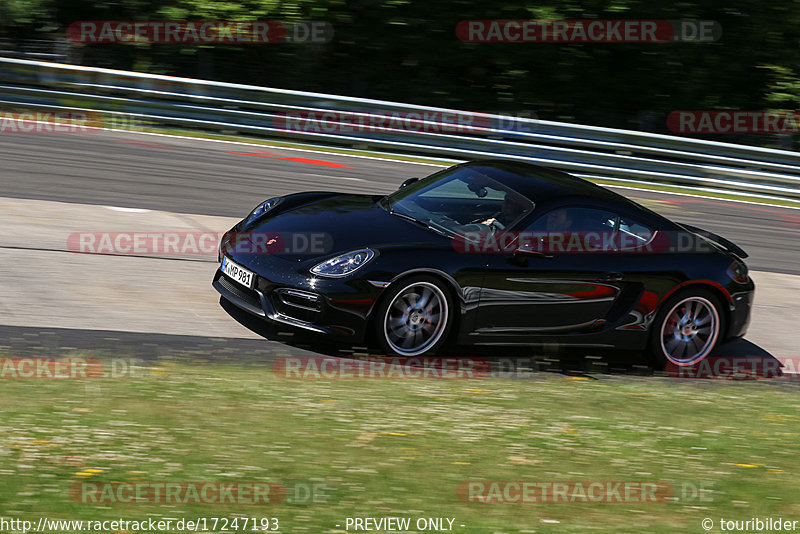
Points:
x=686, y=329
x=414, y=317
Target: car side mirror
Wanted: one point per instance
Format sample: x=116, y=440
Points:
x=408, y=182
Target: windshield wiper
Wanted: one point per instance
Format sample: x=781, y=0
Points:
x=439, y=229
x=427, y=225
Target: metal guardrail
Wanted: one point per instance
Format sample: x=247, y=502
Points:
x=587, y=151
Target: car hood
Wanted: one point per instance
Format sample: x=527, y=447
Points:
x=326, y=227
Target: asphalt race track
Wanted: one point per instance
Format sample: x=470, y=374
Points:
x=53, y=300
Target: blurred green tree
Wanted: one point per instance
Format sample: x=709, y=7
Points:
x=408, y=51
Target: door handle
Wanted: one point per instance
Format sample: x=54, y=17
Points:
x=610, y=277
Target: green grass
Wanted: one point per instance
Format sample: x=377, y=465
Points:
x=402, y=447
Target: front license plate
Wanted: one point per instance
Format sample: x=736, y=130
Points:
x=238, y=273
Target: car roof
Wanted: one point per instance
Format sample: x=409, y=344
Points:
x=539, y=183
x=545, y=186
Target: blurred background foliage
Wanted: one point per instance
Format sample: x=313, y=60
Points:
x=407, y=51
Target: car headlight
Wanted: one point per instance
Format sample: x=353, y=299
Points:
x=261, y=209
x=343, y=264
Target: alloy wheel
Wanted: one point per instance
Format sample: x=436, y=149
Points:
x=690, y=331
x=415, y=319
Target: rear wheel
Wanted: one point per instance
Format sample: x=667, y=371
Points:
x=414, y=317
x=686, y=329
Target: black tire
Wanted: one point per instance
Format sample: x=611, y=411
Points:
x=414, y=317
x=686, y=329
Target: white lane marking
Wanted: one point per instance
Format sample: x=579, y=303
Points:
x=450, y=162
x=701, y=196
x=446, y=162
x=127, y=210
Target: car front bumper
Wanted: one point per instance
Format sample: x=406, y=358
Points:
x=333, y=307
x=741, y=309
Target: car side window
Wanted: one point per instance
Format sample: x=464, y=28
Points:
x=573, y=219
x=633, y=234
x=577, y=229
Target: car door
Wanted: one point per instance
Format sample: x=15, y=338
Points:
x=565, y=277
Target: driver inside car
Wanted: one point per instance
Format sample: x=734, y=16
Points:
x=509, y=212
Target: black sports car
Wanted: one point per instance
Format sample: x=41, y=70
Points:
x=488, y=252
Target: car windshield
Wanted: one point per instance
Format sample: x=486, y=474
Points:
x=458, y=200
